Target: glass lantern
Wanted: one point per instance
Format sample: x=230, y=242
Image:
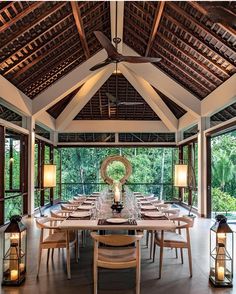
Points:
x=221, y=256
x=14, y=252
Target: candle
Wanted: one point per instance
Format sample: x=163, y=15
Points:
x=14, y=275
x=220, y=273
x=221, y=238
x=22, y=267
x=117, y=195
x=14, y=239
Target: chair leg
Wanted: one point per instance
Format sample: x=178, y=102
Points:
x=161, y=253
x=147, y=238
x=95, y=278
x=151, y=245
x=39, y=260
x=48, y=255
x=68, y=254
x=76, y=249
x=138, y=279
x=154, y=251
x=190, y=261
x=181, y=253
x=176, y=252
x=52, y=253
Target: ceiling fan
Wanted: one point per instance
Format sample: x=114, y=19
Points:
x=113, y=101
x=114, y=56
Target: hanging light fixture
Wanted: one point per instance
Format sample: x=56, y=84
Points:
x=181, y=176
x=49, y=175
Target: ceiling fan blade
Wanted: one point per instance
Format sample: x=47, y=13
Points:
x=111, y=98
x=106, y=44
x=130, y=103
x=100, y=65
x=140, y=59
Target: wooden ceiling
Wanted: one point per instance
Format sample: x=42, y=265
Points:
x=42, y=41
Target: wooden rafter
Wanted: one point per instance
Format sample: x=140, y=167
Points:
x=79, y=24
x=212, y=62
x=204, y=11
x=193, y=34
x=46, y=14
x=20, y=15
x=30, y=44
x=36, y=60
x=204, y=29
x=155, y=26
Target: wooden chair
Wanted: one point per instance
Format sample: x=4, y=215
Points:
x=170, y=239
x=116, y=257
x=61, y=213
x=70, y=206
x=52, y=237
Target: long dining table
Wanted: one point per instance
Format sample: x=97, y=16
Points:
x=93, y=225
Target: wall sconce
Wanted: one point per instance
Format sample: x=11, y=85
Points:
x=49, y=176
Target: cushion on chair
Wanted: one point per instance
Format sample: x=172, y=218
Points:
x=171, y=237
x=116, y=255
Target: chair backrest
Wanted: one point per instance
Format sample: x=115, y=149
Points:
x=116, y=240
x=69, y=206
x=184, y=222
x=171, y=212
x=61, y=213
x=162, y=205
x=48, y=222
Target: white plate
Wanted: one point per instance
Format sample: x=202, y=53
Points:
x=148, y=207
x=85, y=207
x=116, y=220
x=80, y=214
x=154, y=214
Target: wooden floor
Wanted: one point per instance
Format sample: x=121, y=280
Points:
x=175, y=276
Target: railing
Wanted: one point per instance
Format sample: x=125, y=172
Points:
x=165, y=191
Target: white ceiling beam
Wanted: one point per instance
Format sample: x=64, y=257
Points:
x=220, y=98
x=165, y=84
x=114, y=126
x=158, y=144
x=67, y=84
x=187, y=120
x=120, y=22
x=13, y=96
x=85, y=93
x=151, y=97
x=46, y=120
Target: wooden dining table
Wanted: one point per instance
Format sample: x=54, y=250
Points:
x=80, y=224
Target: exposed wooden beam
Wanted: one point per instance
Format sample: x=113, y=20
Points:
x=90, y=126
x=67, y=84
x=83, y=96
x=20, y=15
x=151, y=97
x=192, y=33
x=165, y=84
x=204, y=11
x=203, y=28
x=120, y=22
x=79, y=25
x=155, y=26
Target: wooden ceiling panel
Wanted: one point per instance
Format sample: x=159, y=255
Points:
x=42, y=41
x=99, y=108
x=196, y=52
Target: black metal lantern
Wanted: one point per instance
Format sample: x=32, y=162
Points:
x=14, y=252
x=221, y=246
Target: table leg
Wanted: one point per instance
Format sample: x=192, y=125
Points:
x=68, y=254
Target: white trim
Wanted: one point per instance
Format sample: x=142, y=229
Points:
x=120, y=22
x=151, y=97
x=187, y=140
x=220, y=98
x=165, y=84
x=117, y=144
x=67, y=84
x=10, y=125
x=44, y=139
x=85, y=93
x=187, y=121
x=46, y=120
x=220, y=125
x=115, y=126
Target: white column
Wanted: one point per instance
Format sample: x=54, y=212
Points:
x=54, y=137
x=31, y=142
x=178, y=136
x=203, y=124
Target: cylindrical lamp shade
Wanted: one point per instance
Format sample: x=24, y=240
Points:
x=181, y=175
x=49, y=175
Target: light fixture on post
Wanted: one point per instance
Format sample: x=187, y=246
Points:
x=184, y=177
x=221, y=253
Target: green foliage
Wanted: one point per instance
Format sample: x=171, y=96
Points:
x=222, y=201
x=116, y=170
